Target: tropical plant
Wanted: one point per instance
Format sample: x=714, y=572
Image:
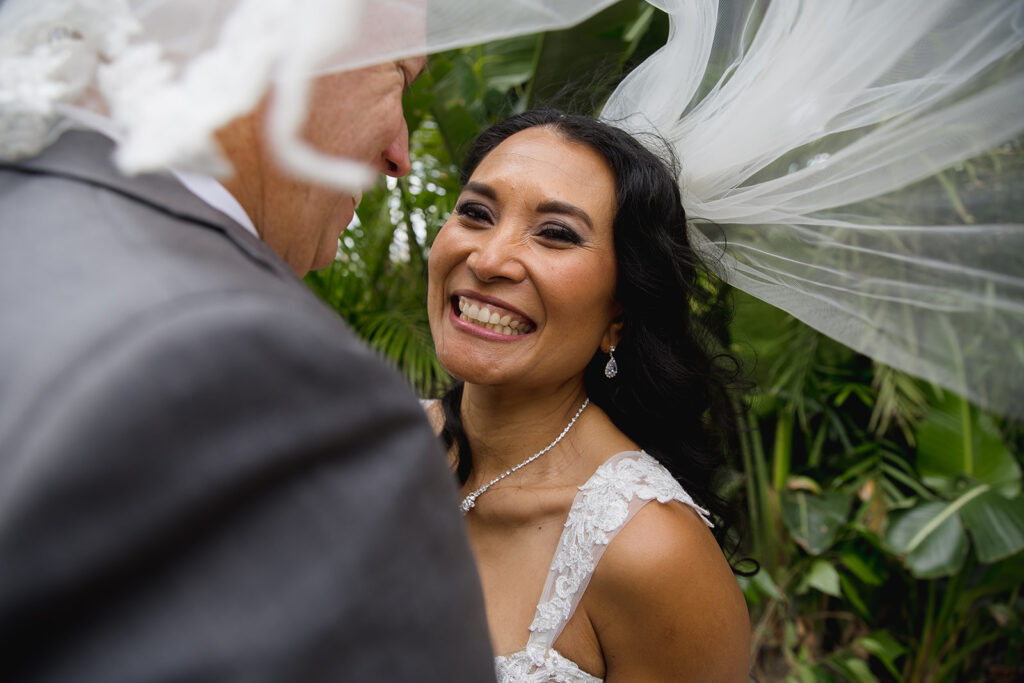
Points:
x=886, y=555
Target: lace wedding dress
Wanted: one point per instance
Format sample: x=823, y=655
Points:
x=604, y=505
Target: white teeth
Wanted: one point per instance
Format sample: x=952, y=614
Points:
x=491, y=320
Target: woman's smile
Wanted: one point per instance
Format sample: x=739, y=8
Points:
x=481, y=314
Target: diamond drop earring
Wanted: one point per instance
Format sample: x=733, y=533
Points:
x=611, y=368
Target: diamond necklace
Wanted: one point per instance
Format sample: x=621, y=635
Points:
x=469, y=502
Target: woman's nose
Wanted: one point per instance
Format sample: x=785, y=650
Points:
x=496, y=256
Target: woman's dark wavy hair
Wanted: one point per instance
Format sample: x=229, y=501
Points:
x=671, y=395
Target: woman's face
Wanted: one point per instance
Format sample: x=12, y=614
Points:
x=530, y=247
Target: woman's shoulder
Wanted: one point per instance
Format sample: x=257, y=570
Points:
x=669, y=534
x=664, y=599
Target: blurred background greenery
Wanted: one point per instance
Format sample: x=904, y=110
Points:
x=887, y=515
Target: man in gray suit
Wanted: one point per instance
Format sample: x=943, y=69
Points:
x=203, y=474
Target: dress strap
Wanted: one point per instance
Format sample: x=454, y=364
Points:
x=602, y=507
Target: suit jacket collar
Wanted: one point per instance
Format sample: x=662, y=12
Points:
x=86, y=156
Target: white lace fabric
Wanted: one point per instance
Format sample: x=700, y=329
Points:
x=604, y=505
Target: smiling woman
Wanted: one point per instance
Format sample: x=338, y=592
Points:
x=530, y=239
x=567, y=243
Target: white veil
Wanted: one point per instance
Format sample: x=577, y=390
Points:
x=163, y=75
x=809, y=134
x=806, y=132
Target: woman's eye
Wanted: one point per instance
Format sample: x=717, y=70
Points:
x=560, y=233
x=473, y=211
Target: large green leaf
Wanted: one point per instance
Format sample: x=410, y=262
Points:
x=824, y=577
x=853, y=669
x=859, y=567
x=458, y=127
x=456, y=87
x=930, y=538
x=573, y=56
x=996, y=525
x=887, y=649
x=852, y=595
x=510, y=63
x=814, y=521
x=1003, y=576
x=764, y=582
x=956, y=440
x=456, y=82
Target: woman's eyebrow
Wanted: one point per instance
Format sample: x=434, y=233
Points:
x=481, y=189
x=556, y=206
x=550, y=206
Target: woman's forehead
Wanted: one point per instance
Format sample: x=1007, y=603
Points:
x=541, y=154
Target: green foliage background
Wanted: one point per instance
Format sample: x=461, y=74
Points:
x=887, y=515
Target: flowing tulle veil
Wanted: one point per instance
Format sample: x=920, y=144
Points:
x=809, y=133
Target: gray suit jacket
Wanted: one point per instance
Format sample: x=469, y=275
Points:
x=203, y=474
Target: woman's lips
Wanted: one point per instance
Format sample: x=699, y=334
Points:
x=489, y=316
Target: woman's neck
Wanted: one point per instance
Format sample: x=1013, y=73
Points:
x=505, y=427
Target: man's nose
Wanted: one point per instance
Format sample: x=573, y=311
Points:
x=395, y=159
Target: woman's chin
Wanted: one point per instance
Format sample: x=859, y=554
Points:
x=480, y=372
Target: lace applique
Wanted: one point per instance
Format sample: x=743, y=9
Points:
x=604, y=504
x=550, y=667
